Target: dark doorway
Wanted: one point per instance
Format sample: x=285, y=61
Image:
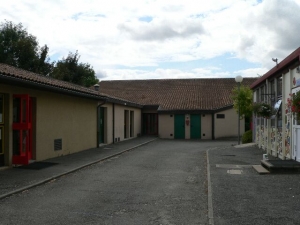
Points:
x=150, y=123
x=100, y=125
x=195, y=126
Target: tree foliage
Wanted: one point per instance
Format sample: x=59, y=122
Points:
x=244, y=99
x=69, y=69
x=20, y=49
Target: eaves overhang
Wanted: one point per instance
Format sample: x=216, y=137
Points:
x=123, y=102
x=194, y=111
x=284, y=65
x=155, y=107
x=17, y=81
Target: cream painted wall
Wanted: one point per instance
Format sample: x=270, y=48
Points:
x=228, y=127
x=108, y=124
x=166, y=126
x=119, y=122
x=206, y=126
x=73, y=119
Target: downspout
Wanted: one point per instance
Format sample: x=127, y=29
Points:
x=98, y=109
x=213, y=126
x=113, y=123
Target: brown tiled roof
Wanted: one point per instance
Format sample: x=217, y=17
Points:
x=176, y=94
x=16, y=74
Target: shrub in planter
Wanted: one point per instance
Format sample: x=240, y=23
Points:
x=247, y=137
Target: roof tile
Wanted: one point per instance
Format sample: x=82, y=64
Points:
x=176, y=94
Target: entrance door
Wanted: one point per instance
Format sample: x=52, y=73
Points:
x=296, y=147
x=195, y=126
x=22, y=132
x=1, y=130
x=100, y=125
x=150, y=123
x=179, y=127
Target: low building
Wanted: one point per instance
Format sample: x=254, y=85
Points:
x=279, y=134
x=41, y=118
x=182, y=108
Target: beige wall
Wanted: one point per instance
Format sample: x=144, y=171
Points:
x=228, y=127
x=72, y=119
x=166, y=126
x=206, y=126
x=119, y=122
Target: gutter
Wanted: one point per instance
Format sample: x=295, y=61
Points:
x=113, y=123
x=47, y=87
x=294, y=57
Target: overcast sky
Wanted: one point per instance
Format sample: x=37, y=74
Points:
x=155, y=39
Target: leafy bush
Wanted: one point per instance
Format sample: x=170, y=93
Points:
x=247, y=137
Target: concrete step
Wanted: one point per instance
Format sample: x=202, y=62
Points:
x=260, y=169
x=281, y=166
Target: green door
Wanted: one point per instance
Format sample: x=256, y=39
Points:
x=100, y=125
x=179, y=127
x=195, y=126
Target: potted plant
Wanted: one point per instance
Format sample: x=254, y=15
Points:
x=294, y=104
x=261, y=109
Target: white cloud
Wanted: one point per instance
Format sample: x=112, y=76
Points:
x=111, y=34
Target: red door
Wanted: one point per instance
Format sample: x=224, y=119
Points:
x=22, y=135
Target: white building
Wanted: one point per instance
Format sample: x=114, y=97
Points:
x=279, y=135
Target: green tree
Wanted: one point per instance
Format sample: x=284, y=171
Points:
x=243, y=98
x=69, y=69
x=20, y=49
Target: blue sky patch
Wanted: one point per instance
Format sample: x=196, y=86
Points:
x=226, y=62
x=147, y=19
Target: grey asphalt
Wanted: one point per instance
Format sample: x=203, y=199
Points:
x=163, y=182
x=15, y=180
x=239, y=195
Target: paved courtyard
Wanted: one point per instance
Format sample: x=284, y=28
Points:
x=161, y=182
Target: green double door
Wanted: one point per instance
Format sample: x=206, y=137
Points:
x=180, y=124
x=195, y=126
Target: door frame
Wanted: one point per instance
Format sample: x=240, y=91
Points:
x=23, y=126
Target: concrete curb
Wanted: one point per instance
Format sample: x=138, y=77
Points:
x=209, y=193
x=245, y=145
x=70, y=171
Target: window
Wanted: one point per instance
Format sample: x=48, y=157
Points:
x=1, y=108
x=262, y=91
x=279, y=86
x=131, y=123
x=220, y=116
x=279, y=117
x=272, y=92
x=257, y=95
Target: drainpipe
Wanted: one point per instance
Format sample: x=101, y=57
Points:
x=213, y=126
x=98, y=109
x=113, y=123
